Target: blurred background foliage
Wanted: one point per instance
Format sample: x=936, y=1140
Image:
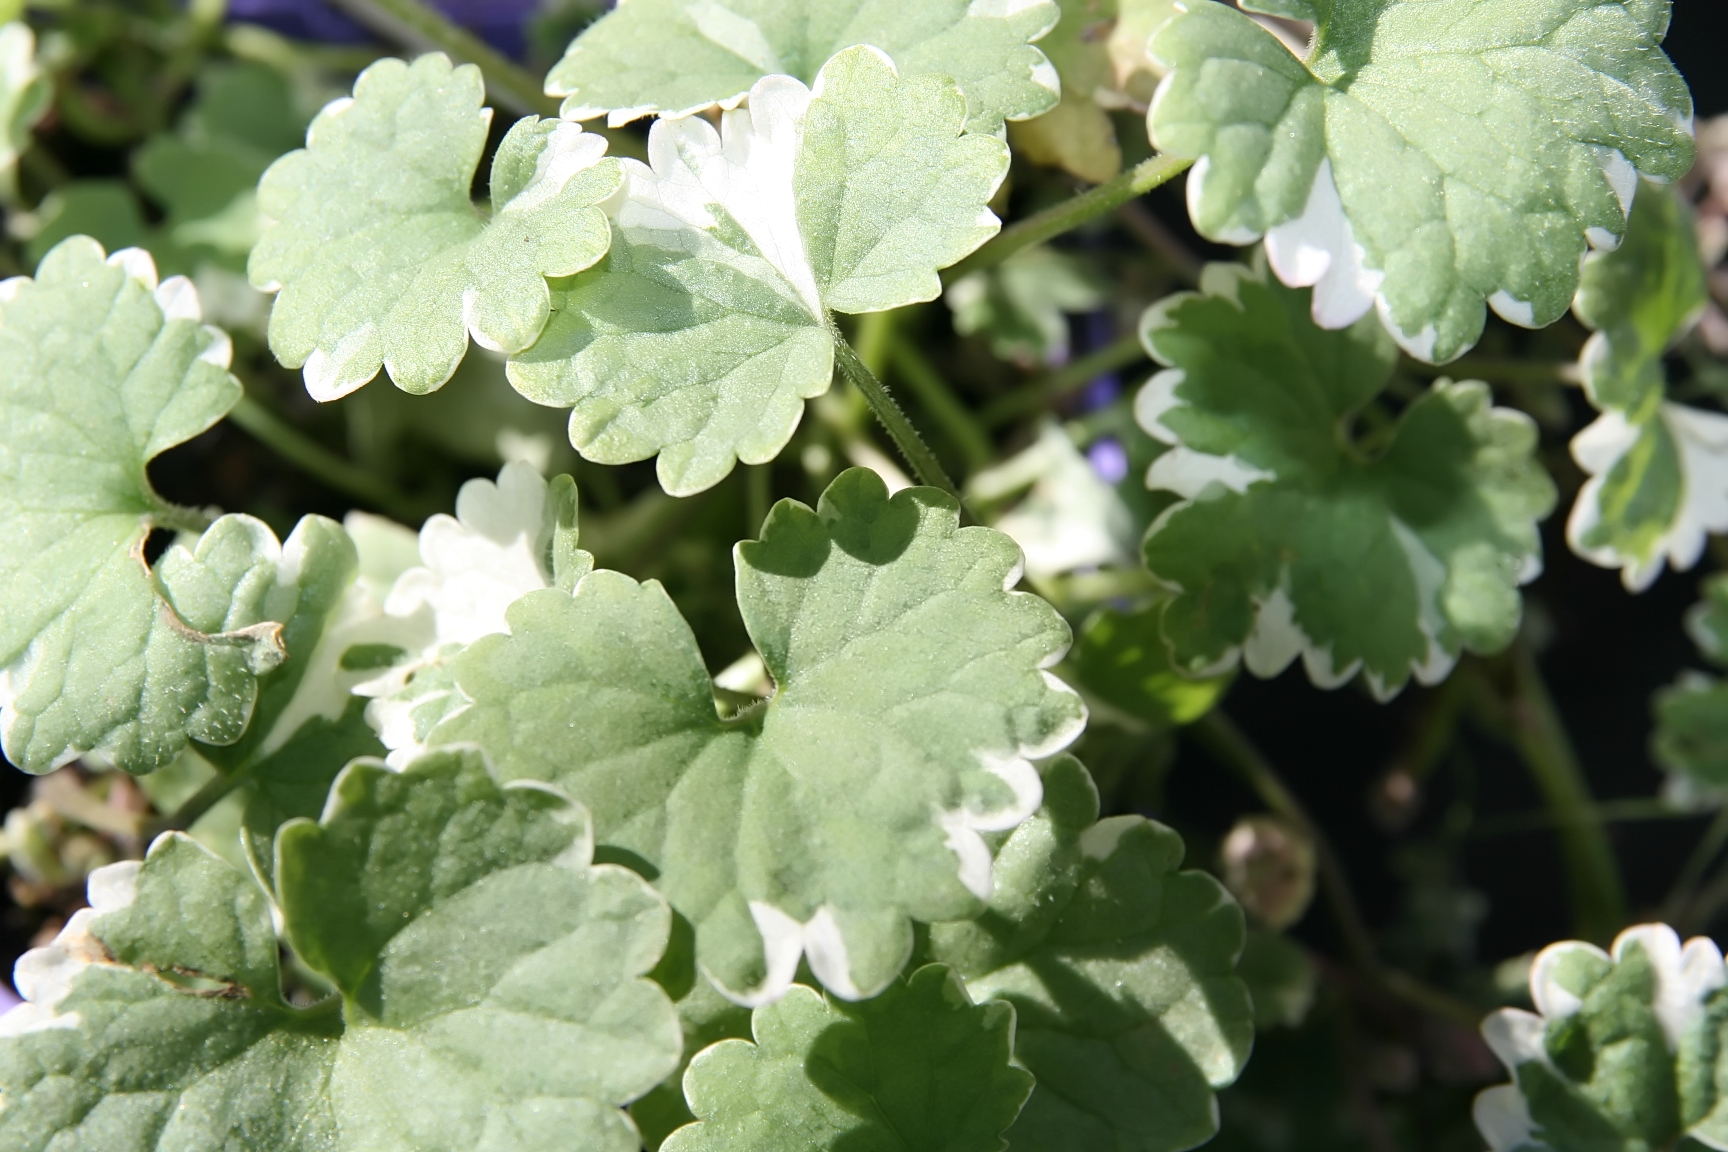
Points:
x=1400, y=863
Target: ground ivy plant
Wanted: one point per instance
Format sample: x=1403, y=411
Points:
x=476, y=842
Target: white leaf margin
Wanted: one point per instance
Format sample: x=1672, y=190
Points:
x=1701, y=440
x=1686, y=976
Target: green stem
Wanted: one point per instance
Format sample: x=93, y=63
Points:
x=180, y=518
x=319, y=462
x=1071, y=377
x=414, y=25
x=1506, y=369
x=1071, y=213
x=1598, y=896
x=924, y=464
x=938, y=399
x=1218, y=734
x=1605, y=811
x=1686, y=884
x=758, y=481
x=213, y=793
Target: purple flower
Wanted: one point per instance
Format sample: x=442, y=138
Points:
x=1109, y=459
x=498, y=21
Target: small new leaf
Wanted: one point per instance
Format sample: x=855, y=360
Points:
x=450, y=911
x=379, y=256
x=920, y=1067
x=910, y=695
x=1658, y=471
x=1427, y=156
x=679, y=57
x=1121, y=973
x=707, y=327
x=1621, y=1052
x=102, y=369
x=1294, y=539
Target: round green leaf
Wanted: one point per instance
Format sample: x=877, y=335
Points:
x=492, y=987
x=380, y=258
x=920, y=1067
x=910, y=696
x=102, y=369
x=1121, y=971
x=1428, y=155
x=679, y=57
x=1384, y=556
x=707, y=327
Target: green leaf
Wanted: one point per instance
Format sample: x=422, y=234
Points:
x=379, y=256
x=707, y=327
x=1621, y=1051
x=910, y=696
x=1429, y=155
x=1385, y=555
x=1121, y=658
x=1136, y=72
x=1022, y=305
x=1691, y=738
x=919, y=1067
x=101, y=370
x=106, y=210
x=1121, y=973
x=156, y=1020
x=25, y=95
x=678, y=57
x=1658, y=471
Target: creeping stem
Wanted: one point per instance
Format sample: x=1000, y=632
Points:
x=1071, y=213
x=414, y=25
x=318, y=461
x=924, y=464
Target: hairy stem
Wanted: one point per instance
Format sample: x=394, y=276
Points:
x=319, y=462
x=1598, y=896
x=1070, y=214
x=213, y=793
x=1071, y=377
x=1218, y=734
x=924, y=464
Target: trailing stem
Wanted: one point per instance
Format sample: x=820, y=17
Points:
x=1218, y=734
x=924, y=464
x=1070, y=214
x=319, y=462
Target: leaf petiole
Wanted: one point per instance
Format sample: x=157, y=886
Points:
x=924, y=464
x=1070, y=214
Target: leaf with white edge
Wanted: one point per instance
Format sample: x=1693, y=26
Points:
x=920, y=1067
x=507, y=539
x=156, y=1019
x=1022, y=305
x=706, y=328
x=1077, y=135
x=1691, y=738
x=911, y=696
x=1621, y=1052
x=25, y=95
x=1070, y=518
x=1121, y=971
x=1293, y=540
x=379, y=256
x=1429, y=156
x=680, y=57
x=102, y=369
x=1658, y=471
